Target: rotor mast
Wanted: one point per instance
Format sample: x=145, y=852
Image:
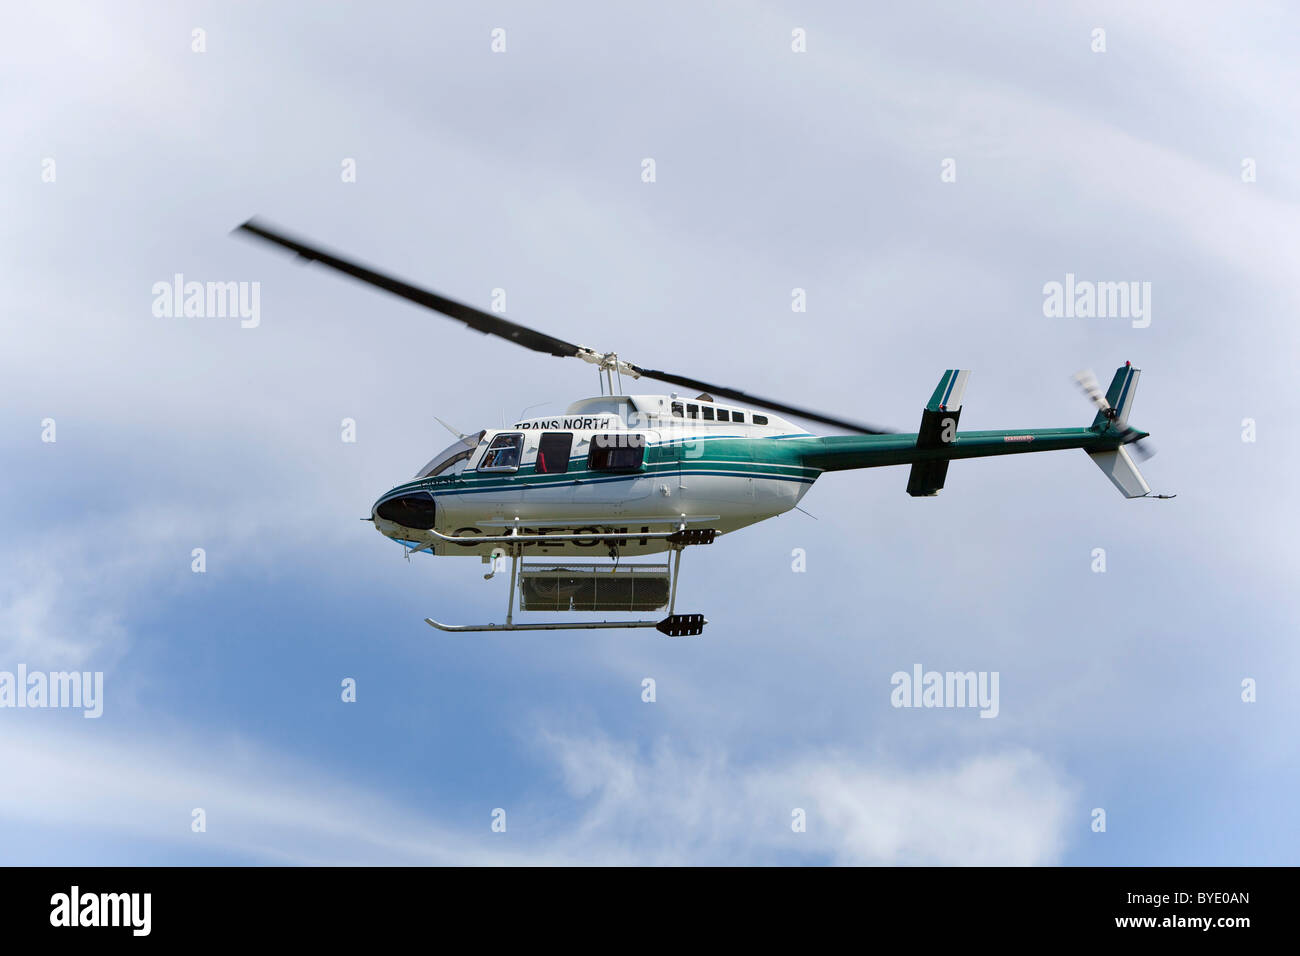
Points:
x=608, y=364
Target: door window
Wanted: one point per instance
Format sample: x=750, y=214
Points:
x=553, y=453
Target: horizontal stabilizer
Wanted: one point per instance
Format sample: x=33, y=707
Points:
x=1123, y=474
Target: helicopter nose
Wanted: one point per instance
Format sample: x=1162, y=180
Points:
x=411, y=509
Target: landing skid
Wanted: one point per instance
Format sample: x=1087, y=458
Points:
x=673, y=622
x=674, y=625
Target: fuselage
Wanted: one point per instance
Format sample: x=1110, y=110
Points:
x=656, y=463
x=615, y=463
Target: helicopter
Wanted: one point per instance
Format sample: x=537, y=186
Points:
x=566, y=497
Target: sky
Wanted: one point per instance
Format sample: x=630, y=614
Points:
x=921, y=172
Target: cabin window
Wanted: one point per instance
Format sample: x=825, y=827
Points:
x=708, y=412
x=738, y=417
x=760, y=419
x=692, y=411
x=553, y=453
x=616, y=452
x=679, y=410
x=724, y=415
x=503, y=454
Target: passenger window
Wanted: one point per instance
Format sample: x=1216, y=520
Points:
x=708, y=412
x=503, y=454
x=679, y=410
x=738, y=417
x=616, y=452
x=692, y=411
x=760, y=419
x=724, y=415
x=553, y=453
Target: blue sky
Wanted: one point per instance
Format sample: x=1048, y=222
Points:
x=521, y=171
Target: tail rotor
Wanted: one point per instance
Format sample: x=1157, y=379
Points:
x=1116, y=414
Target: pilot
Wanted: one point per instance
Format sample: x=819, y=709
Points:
x=503, y=456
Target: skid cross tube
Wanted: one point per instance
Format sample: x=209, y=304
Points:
x=677, y=572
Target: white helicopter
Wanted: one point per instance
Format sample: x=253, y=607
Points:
x=640, y=474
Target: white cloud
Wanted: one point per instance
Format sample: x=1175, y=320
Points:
x=672, y=808
x=47, y=621
x=1008, y=808
x=255, y=804
x=67, y=594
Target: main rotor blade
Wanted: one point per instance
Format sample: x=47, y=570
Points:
x=476, y=319
x=490, y=324
x=739, y=396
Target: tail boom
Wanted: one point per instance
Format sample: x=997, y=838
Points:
x=938, y=442
x=844, y=452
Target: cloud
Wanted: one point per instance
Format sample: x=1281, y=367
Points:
x=66, y=603
x=671, y=808
x=256, y=804
x=1008, y=808
x=47, y=621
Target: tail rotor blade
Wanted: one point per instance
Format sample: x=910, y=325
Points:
x=1087, y=381
x=1143, y=449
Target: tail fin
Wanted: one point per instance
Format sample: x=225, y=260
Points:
x=1119, y=397
x=938, y=427
x=1117, y=464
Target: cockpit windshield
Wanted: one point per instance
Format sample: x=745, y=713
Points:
x=452, y=459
